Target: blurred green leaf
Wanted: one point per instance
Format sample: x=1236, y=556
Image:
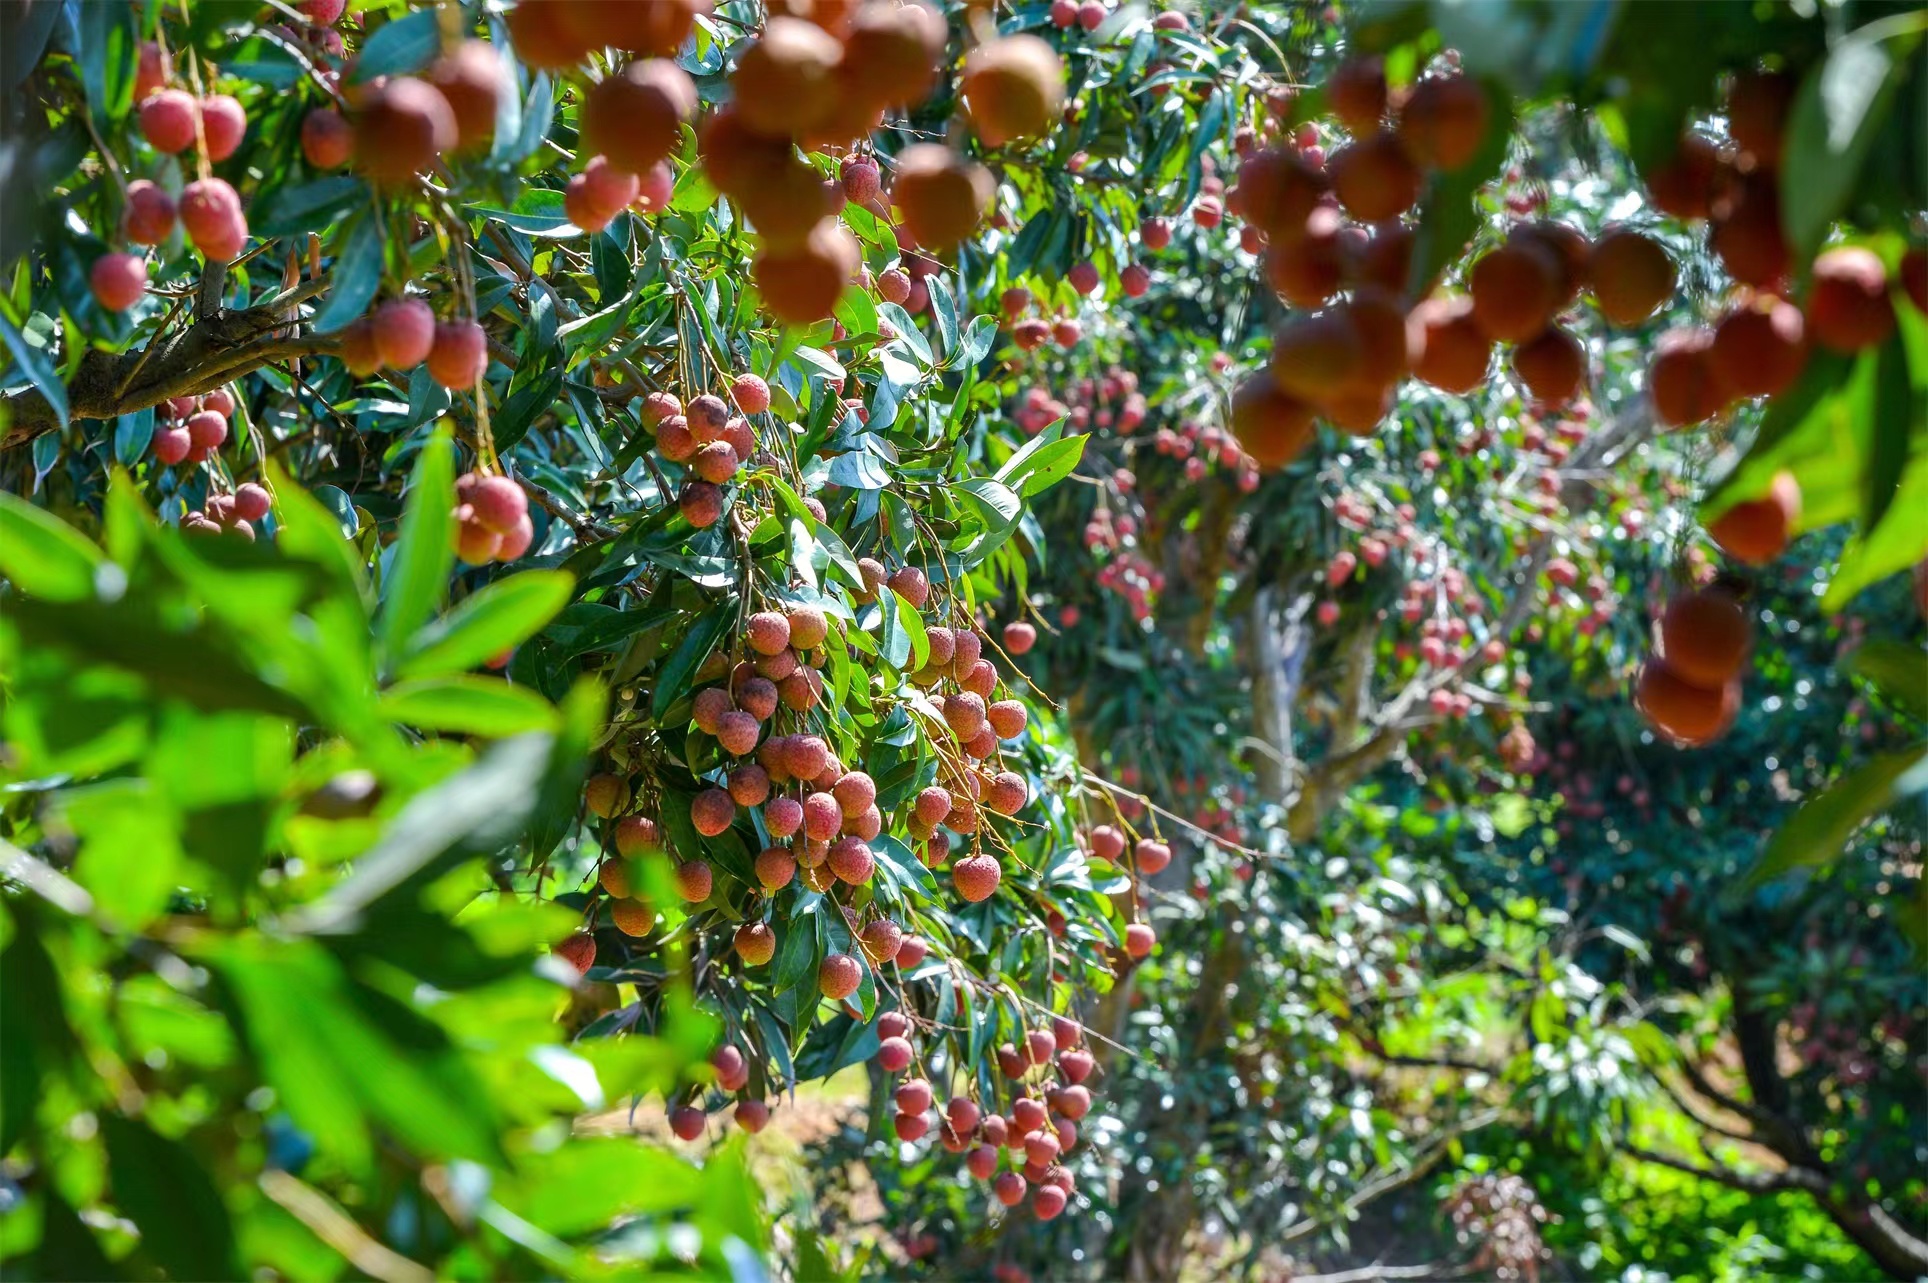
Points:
x=425, y=550
x=43, y=555
x=185, y=1228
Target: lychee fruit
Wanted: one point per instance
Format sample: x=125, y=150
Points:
x=1847, y=305
x=1756, y=531
x=404, y=332
x=148, y=215
x=756, y=943
x=401, y=129
x=838, y=976
x=1014, y=88
x=1704, y=637
x=210, y=213
x=976, y=877
x=458, y=356
x=118, y=281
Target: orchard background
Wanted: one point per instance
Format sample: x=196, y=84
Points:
x=842, y=638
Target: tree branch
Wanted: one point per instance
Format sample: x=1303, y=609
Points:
x=1751, y=1182
x=189, y=362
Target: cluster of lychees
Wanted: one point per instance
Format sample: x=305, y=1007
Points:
x=492, y=519
x=1016, y=1151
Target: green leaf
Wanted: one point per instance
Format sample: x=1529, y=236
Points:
x=479, y=811
x=1046, y=468
x=1837, y=114
x=158, y=1184
x=1818, y=831
x=797, y=954
x=418, y=572
x=107, y=59
x=500, y=617
x=912, y=625
x=673, y=681
x=38, y=369
x=43, y=555
x=130, y=853
x=465, y=705
x=1894, y=421
x=403, y=45
x=1897, y=670
x=338, y=1051
x=308, y=207
x=893, y=643
x=357, y=275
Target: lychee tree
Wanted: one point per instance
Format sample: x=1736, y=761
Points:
x=626, y=378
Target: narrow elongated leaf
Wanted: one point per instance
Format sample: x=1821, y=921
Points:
x=43, y=555
x=184, y=1225
x=39, y=370
x=357, y=275
x=1821, y=828
x=403, y=45
x=419, y=571
x=500, y=617
x=467, y=705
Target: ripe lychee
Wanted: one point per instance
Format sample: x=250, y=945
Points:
x=940, y=195
x=1356, y=92
x=1682, y=381
x=458, y=356
x=632, y=917
x=801, y=284
x=686, y=1121
x=118, y=281
x=327, y=140
x=1688, y=715
x=1847, y=304
x=1515, y=290
x=701, y=504
x=148, y=216
x=838, y=976
x=976, y=877
x=404, y=332
x=1139, y=939
x=752, y=1115
x=756, y=943
x=224, y=122
x=1442, y=122
x=470, y=79
x=637, y=835
x=1374, y=178
x=635, y=117
x=1632, y=276
x=168, y=120
x=1552, y=365
x=1760, y=348
x=1014, y=88
x=1446, y=346
x=1704, y=637
x=712, y=812
x=1271, y=425
x=579, y=951
x=1757, y=531
x=401, y=129
x=210, y=213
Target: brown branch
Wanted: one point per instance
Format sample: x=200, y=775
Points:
x=1701, y=1120
x=187, y=362
x=1751, y=1182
